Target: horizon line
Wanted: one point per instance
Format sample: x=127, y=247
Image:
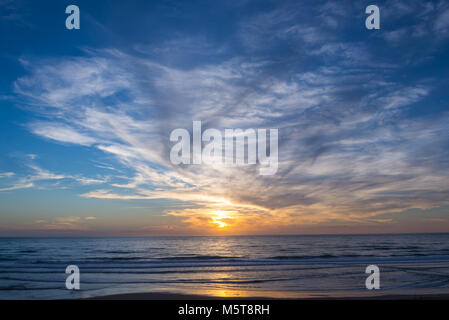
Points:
x=242, y=235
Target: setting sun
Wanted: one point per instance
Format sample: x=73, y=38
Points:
x=219, y=216
x=221, y=224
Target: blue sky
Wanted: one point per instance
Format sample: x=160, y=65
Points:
x=86, y=116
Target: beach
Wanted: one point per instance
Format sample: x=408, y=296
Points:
x=240, y=267
x=172, y=296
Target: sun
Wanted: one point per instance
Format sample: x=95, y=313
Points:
x=221, y=224
x=218, y=216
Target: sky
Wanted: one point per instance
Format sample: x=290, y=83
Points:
x=86, y=116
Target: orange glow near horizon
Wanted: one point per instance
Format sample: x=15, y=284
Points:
x=219, y=216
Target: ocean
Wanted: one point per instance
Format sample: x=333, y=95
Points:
x=234, y=266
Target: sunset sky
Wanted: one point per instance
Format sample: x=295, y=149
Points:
x=86, y=116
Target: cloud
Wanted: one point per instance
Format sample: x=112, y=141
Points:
x=6, y=174
x=410, y=24
x=24, y=185
x=13, y=12
x=349, y=151
x=442, y=22
x=39, y=175
x=105, y=194
x=60, y=133
x=64, y=223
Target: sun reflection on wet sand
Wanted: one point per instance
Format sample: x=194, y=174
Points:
x=237, y=293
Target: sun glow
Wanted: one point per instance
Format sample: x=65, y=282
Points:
x=219, y=216
x=221, y=224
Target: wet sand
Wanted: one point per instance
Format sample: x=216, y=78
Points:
x=177, y=296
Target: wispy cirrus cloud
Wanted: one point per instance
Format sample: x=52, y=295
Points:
x=64, y=223
x=38, y=175
x=61, y=133
x=349, y=149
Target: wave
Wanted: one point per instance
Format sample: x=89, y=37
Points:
x=25, y=288
x=105, y=259
x=302, y=257
x=323, y=256
x=199, y=257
